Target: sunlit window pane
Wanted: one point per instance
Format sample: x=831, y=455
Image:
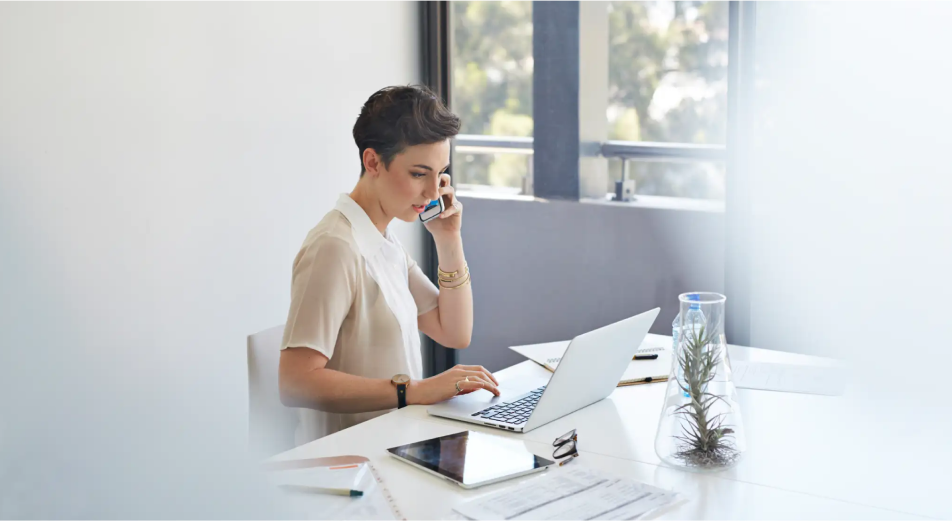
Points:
x=668, y=71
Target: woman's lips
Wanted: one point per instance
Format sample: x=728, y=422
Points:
x=419, y=209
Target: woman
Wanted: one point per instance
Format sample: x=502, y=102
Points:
x=351, y=348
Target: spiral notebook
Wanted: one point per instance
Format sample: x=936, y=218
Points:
x=549, y=355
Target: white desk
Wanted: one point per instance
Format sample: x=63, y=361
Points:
x=807, y=457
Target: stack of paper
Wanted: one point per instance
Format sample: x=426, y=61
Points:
x=573, y=493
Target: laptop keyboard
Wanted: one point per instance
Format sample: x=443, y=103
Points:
x=513, y=413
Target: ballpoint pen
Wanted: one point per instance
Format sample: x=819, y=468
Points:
x=322, y=490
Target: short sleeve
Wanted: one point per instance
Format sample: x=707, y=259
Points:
x=323, y=288
x=425, y=294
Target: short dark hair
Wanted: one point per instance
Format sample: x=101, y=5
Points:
x=395, y=118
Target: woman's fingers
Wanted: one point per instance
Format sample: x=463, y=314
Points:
x=483, y=377
x=475, y=383
x=454, y=207
x=479, y=369
x=470, y=378
x=447, y=190
x=445, y=181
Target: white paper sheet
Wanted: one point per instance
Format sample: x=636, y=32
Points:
x=575, y=493
x=810, y=379
x=373, y=505
x=549, y=355
x=344, y=476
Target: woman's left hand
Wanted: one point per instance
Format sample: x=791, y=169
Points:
x=449, y=222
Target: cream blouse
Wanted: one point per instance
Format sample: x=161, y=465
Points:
x=355, y=298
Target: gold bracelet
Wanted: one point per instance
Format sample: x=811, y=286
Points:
x=458, y=287
x=466, y=280
x=454, y=279
x=443, y=282
x=444, y=278
x=452, y=275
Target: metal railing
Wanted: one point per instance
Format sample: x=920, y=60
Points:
x=623, y=150
x=469, y=143
x=507, y=144
x=663, y=151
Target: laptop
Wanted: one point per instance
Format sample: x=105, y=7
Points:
x=590, y=369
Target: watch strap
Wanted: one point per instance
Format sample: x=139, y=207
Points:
x=401, y=396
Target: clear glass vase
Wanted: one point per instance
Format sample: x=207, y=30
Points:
x=701, y=427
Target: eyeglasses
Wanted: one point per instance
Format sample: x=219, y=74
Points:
x=565, y=447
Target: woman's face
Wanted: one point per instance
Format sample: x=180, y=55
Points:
x=412, y=180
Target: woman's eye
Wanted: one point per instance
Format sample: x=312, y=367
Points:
x=418, y=174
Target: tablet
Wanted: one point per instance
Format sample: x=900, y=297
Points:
x=472, y=459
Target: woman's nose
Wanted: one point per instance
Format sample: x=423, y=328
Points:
x=432, y=191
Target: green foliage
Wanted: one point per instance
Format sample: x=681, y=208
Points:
x=627, y=127
x=492, y=62
x=667, y=82
x=706, y=441
x=689, y=51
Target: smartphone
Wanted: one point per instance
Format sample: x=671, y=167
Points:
x=434, y=208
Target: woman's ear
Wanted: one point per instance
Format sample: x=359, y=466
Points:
x=371, y=162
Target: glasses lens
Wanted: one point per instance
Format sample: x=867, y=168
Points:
x=565, y=450
x=564, y=438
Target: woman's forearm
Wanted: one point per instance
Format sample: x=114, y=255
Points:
x=456, y=305
x=333, y=391
x=337, y=392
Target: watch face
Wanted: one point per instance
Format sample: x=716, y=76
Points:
x=400, y=379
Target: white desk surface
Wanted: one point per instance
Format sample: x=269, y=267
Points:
x=808, y=456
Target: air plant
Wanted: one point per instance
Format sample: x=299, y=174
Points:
x=705, y=441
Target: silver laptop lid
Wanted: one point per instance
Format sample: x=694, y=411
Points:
x=591, y=368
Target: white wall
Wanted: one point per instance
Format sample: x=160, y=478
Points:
x=850, y=227
x=160, y=165
x=851, y=179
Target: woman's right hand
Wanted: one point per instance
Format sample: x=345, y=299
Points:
x=443, y=386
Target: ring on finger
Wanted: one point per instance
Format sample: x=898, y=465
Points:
x=458, y=390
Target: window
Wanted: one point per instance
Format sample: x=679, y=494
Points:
x=666, y=114
x=668, y=83
x=492, y=92
x=668, y=72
